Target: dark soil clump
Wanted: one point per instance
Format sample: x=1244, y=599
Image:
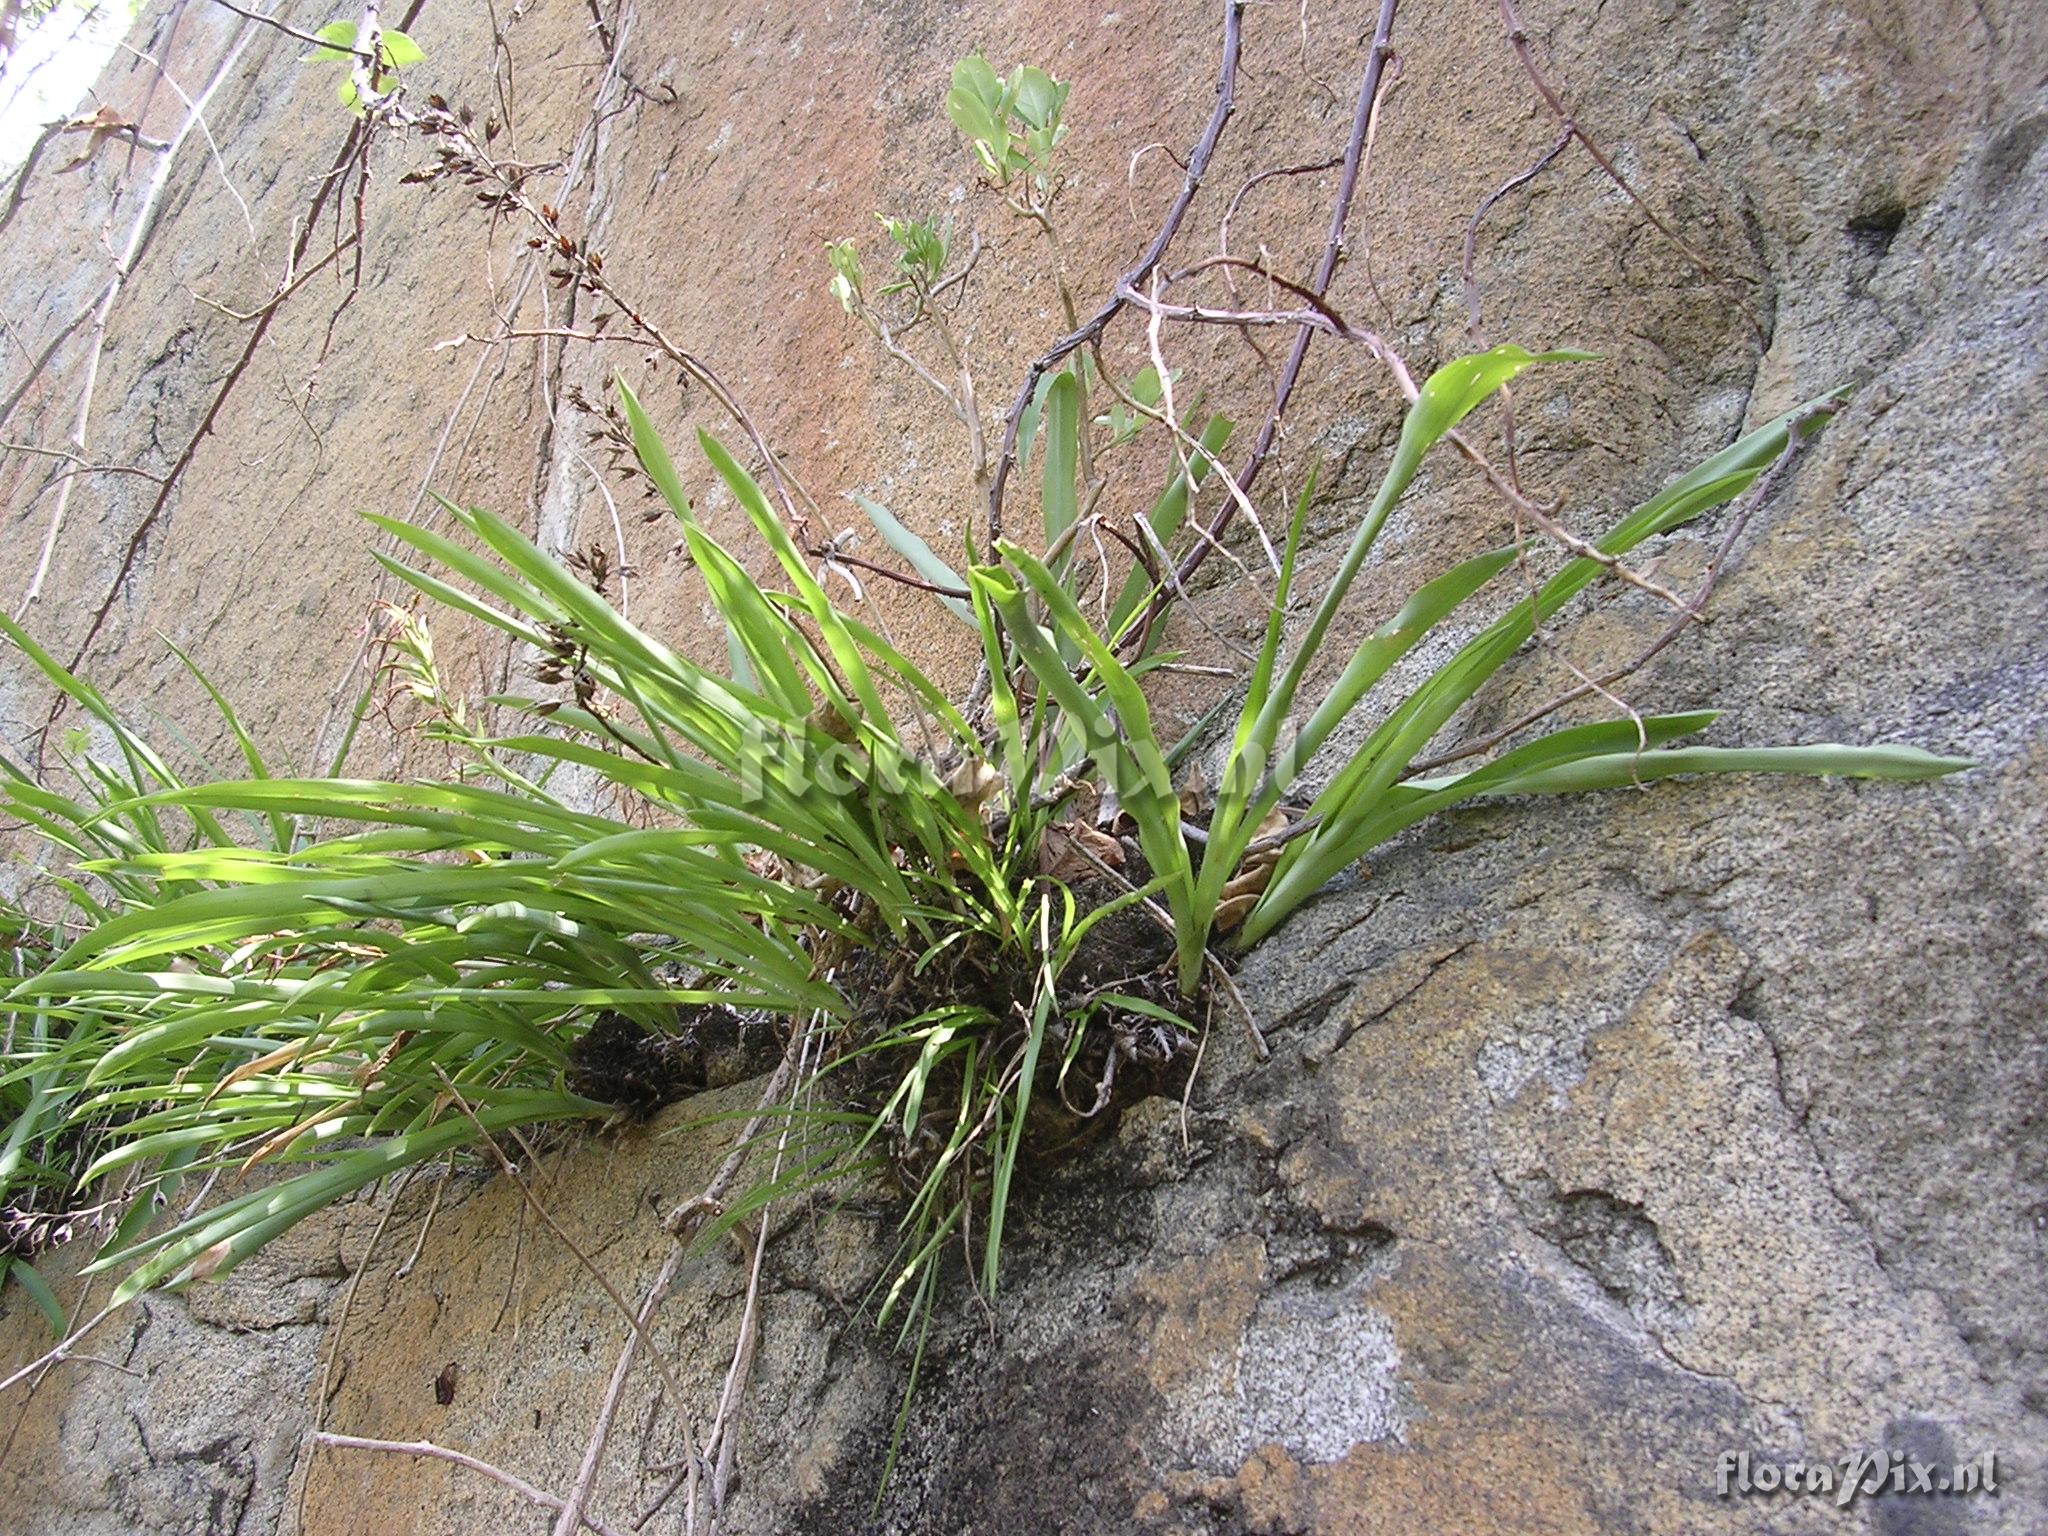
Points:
x=618, y=1061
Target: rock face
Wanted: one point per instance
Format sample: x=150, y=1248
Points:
x=1601, y=1138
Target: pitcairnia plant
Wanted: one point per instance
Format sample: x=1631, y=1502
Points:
x=360, y=1002
x=355, y=977
x=1261, y=855
x=360, y=976
x=1373, y=795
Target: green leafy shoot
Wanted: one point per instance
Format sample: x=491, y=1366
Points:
x=846, y=286
x=395, y=52
x=307, y=997
x=921, y=251
x=1013, y=127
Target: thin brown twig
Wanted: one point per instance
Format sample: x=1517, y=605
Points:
x=289, y=31
x=43, y=361
x=573, y=170
x=1181, y=437
x=84, y=465
x=359, y=205
x=138, y=541
x=1523, y=506
x=958, y=397
x=592, y=276
x=904, y=578
x=124, y=266
x=19, y=195
x=709, y=1201
x=507, y=1167
x=1362, y=121
x=168, y=49
x=1307, y=73
x=1513, y=183
x=1547, y=523
x=1518, y=39
x=198, y=115
x=38, y=1370
x=64, y=1350
x=291, y=285
x=102, y=1360
x=720, y=1440
x=1319, y=317
x=325, y=1395
x=571, y=1509
x=1237, y=198
x=1090, y=331
x=539, y=1497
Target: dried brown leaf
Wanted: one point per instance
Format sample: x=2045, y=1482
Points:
x=1064, y=854
x=1244, y=889
x=210, y=1260
x=102, y=125
x=973, y=783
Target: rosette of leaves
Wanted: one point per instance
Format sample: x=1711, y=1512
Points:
x=1373, y=793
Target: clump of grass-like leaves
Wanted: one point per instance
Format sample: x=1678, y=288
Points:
x=374, y=974
x=346, y=977
x=1374, y=795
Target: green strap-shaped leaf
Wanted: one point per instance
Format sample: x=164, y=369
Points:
x=1620, y=770
x=1126, y=749
x=1431, y=603
x=247, y=1222
x=1407, y=803
x=920, y=555
x=1166, y=517
x=1058, y=495
x=1355, y=793
x=24, y=1274
x=1450, y=395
